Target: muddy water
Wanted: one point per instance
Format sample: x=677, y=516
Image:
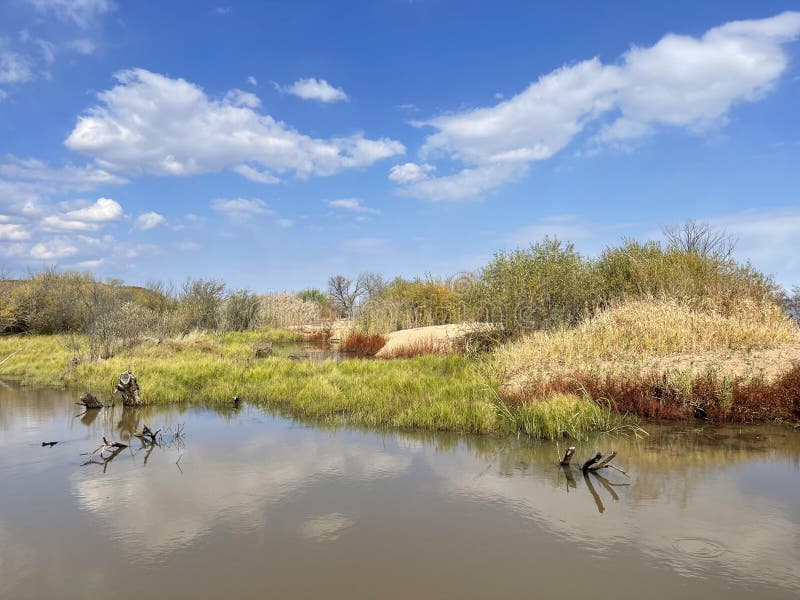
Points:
x=259, y=506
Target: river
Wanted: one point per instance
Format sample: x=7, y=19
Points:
x=249, y=504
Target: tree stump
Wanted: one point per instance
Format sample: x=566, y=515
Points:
x=128, y=389
x=90, y=401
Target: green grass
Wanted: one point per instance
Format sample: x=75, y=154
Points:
x=428, y=392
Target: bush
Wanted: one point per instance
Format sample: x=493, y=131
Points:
x=405, y=304
x=545, y=286
x=636, y=270
x=241, y=311
x=199, y=304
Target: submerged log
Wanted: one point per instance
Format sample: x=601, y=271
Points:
x=90, y=401
x=592, y=461
x=568, y=456
x=128, y=389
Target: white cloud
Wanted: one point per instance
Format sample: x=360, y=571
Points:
x=252, y=80
x=89, y=218
x=241, y=210
x=154, y=124
x=13, y=232
x=252, y=174
x=81, y=12
x=3, y=95
x=74, y=177
x=82, y=46
x=53, y=249
x=410, y=172
x=285, y=223
x=352, y=204
x=15, y=68
x=467, y=183
x=315, y=89
x=680, y=81
x=149, y=220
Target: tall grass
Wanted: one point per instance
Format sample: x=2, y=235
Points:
x=630, y=334
x=563, y=415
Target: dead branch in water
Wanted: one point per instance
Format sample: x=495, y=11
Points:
x=568, y=456
x=105, y=452
x=89, y=401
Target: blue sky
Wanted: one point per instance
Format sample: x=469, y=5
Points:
x=275, y=144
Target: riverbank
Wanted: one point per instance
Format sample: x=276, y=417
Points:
x=450, y=393
x=666, y=360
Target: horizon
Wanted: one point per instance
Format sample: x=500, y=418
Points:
x=272, y=147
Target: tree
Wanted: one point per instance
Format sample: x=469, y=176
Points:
x=694, y=237
x=373, y=283
x=344, y=293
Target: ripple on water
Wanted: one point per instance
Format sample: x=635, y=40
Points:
x=699, y=547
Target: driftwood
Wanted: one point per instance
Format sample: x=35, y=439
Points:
x=51, y=444
x=90, y=401
x=590, y=469
x=591, y=462
x=568, y=456
x=105, y=453
x=128, y=389
x=606, y=463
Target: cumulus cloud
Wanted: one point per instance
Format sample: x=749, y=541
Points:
x=81, y=12
x=154, y=124
x=13, y=232
x=352, y=204
x=467, y=183
x=90, y=218
x=53, y=249
x=149, y=220
x=410, y=172
x=680, y=81
x=315, y=89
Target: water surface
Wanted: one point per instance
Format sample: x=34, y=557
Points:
x=261, y=506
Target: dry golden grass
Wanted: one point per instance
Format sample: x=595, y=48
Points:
x=658, y=335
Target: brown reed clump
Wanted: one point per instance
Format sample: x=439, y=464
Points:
x=679, y=396
x=363, y=344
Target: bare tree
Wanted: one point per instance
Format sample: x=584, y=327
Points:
x=372, y=283
x=695, y=237
x=344, y=293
